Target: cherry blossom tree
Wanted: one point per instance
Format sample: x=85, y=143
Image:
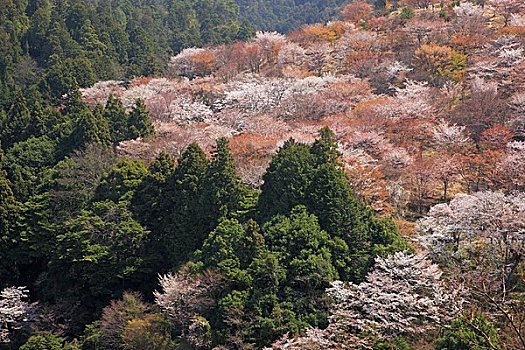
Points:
x=270, y=44
x=412, y=101
x=512, y=165
x=403, y=294
x=468, y=9
x=14, y=311
x=482, y=235
x=193, y=62
x=184, y=298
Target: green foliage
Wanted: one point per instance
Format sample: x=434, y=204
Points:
x=149, y=199
x=20, y=122
x=276, y=279
x=45, y=341
x=98, y=254
x=120, y=183
x=139, y=124
x=286, y=180
x=7, y=200
x=116, y=115
x=8, y=210
x=25, y=163
x=92, y=128
x=229, y=251
x=168, y=203
x=286, y=15
x=302, y=247
x=406, y=13
x=398, y=343
x=222, y=190
x=475, y=333
x=312, y=176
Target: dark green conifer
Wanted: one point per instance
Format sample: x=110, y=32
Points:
x=122, y=181
x=286, y=180
x=222, y=190
x=116, y=115
x=139, y=123
x=92, y=128
x=149, y=202
x=183, y=228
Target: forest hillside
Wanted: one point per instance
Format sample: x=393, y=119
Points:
x=172, y=178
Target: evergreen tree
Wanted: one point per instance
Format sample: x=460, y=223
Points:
x=222, y=190
x=117, y=117
x=26, y=163
x=92, y=128
x=148, y=201
x=184, y=24
x=183, y=227
x=139, y=123
x=98, y=255
x=312, y=176
x=218, y=20
x=57, y=80
x=74, y=103
x=17, y=125
x=227, y=249
x=325, y=147
x=7, y=200
x=122, y=180
x=89, y=39
x=44, y=342
x=331, y=199
x=7, y=217
x=286, y=180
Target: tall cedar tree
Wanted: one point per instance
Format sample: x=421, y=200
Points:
x=120, y=183
x=222, y=190
x=149, y=199
x=117, y=117
x=139, y=123
x=286, y=180
x=7, y=211
x=183, y=229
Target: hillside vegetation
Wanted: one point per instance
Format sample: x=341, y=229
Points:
x=356, y=184
x=286, y=15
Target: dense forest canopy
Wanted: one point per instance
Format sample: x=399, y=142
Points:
x=286, y=15
x=177, y=175
x=54, y=43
